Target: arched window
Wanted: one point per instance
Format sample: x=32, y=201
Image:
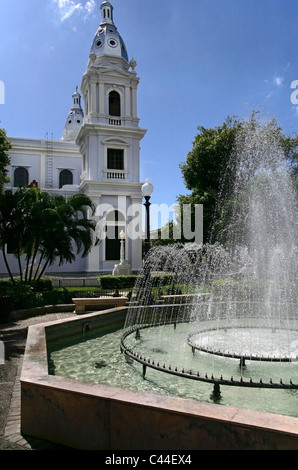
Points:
x=20, y=177
x=65, y=177
x=114, y=104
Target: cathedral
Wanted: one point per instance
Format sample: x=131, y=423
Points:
x=98, y=153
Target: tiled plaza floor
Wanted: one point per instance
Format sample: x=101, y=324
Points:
x=14, y=336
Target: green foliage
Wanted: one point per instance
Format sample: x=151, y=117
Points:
x=41, y=228
x=290, y=147
x=208, y=159
x=210, y=167
x=165, y=235
x=117, y=282
x=42, y=285
x=5, y=147
x=238, y=289
x=128, y=282
x=162, y=279
x=173, y=290
x=42, y=293
x=56, y=297
x=25, y=296
x=87, y=292
x=204, y=167
x=4, y=285
x=22, y=295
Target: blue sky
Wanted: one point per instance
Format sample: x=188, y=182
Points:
x=198, y=60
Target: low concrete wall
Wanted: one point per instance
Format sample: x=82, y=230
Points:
x=37, y=311
x=100, y=303
x=99, y=417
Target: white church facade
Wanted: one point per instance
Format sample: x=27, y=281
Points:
x=98, y=154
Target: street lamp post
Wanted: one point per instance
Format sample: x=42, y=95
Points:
x=122, y=248
x=123, y=268
x=147, y=191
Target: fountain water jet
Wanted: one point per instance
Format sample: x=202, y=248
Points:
x=218, y=292
x=251, y=314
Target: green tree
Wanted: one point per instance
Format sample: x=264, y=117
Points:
x=5, y=146
x=205, y=165
x=210, y=166
x=260, y=150
x=290, y=146
x=40, y=228
x=164, y=235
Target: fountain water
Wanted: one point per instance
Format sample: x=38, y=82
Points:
x=236, y=322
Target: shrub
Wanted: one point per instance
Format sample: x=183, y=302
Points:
x=23, y=296
x=173, y=290
x=56, y=296
x=85, y=293
x=128, y=282
x=4, y=286
x=117, y=282
x=160, y=280
x=42, y=285
x=244, y=289
x=28, y=295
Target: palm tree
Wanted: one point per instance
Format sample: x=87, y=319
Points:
x=70, y=233
x=7, y=207
x=41, y=227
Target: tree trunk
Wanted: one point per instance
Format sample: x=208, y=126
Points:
x=7, y=266
x=43, y=269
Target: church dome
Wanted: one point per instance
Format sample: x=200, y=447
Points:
x=74, y=119
x=107, y=40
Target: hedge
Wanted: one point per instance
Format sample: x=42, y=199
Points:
x=128, y=282
x=26, y=295
x=42, y=285
x=117, y=282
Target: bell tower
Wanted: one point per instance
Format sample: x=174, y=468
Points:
x=74, y=119
x=109, y=138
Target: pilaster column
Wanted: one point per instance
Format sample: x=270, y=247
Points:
x=134, y=102
x=93, y=98
x=101, y=98
x=128, y=101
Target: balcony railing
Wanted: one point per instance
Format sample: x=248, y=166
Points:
x=114, y=122
x=115, y=175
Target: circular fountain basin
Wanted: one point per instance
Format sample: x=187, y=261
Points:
x=98, y=359
x=101, y=401
x=252, y=343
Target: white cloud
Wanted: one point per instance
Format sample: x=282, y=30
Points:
x=273, y=86
x=68, y=7
x=90, y=6
x=278, y=81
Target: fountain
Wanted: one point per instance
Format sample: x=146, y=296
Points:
x=219, y=326
x=250, y=317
